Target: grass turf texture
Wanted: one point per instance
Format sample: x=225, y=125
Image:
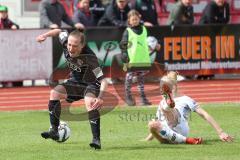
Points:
x=122, y=132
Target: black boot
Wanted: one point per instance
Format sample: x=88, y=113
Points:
x=130, y=101
x=52, y=133
x=145, y=102
x=96, y=143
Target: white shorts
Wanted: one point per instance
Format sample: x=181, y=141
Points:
x=182, y=126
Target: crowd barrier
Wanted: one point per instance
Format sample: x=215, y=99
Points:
x=190, y=50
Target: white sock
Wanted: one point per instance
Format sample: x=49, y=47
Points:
x=169, y=134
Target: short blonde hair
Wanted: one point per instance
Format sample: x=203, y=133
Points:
x=172, y=75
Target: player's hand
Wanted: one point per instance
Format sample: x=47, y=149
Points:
x=125, y=67
x=225, y=137
x=148, y=24
x=41, y=38
x=53, y=26
x=79, y=26
x=96, y=103
x=148, y=138
x=14, y=27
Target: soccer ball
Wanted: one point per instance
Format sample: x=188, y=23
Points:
x=152, y=43
x=63, y=131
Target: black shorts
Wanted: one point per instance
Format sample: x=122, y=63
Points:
x=76, y=91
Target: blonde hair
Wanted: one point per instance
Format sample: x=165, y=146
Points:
x=132, y=13
x=171, y=80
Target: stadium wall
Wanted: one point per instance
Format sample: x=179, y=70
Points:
x=191, y=50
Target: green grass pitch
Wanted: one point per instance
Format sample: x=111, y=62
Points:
x=122, y=131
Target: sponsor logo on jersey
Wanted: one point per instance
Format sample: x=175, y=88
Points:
x=74, y=66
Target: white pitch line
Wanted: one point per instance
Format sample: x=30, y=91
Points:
x=24, y=92
x=224, y=93
x=211, y=85
x=32, y=106
x=25, y=101
x=25, y=106
x=22, y=97
x=206, y=90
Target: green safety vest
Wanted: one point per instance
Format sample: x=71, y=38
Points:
x=138, y=51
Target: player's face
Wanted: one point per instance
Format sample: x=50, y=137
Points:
x=134, y=21
x=74, y=46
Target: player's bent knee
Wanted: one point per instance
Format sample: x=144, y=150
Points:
x=89, y=101
x=154, y=126
x=54, y=95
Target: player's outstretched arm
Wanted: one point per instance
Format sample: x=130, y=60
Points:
x=149, y=137
x=222, y=135
x=51, y=33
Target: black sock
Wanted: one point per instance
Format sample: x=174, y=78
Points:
x=94, y=120
x=54, y=107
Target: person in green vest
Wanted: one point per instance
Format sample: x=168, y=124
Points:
x=136, y=57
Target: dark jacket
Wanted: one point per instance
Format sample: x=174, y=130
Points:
x=53, y=14
x=114, y=16
x=86, y=18
x=7, y=24
x=148, y=10
x=96, y=7
x=213, y=14
x=181, y=14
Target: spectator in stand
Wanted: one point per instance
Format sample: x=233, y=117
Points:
x=52, y=13
x=182, y=13
x=148, y=11
x=83, y=15
x=95, y=6
x=136, y=58
x=6, y=23
x=68, y=6
x=115, y=14
x=216, y=12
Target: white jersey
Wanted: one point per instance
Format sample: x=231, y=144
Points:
x=184, y=106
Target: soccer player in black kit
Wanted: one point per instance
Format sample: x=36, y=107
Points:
x=86, y=82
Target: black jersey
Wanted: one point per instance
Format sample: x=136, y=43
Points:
x=84, y=68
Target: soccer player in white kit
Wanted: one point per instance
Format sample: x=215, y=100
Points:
x=171, y=125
